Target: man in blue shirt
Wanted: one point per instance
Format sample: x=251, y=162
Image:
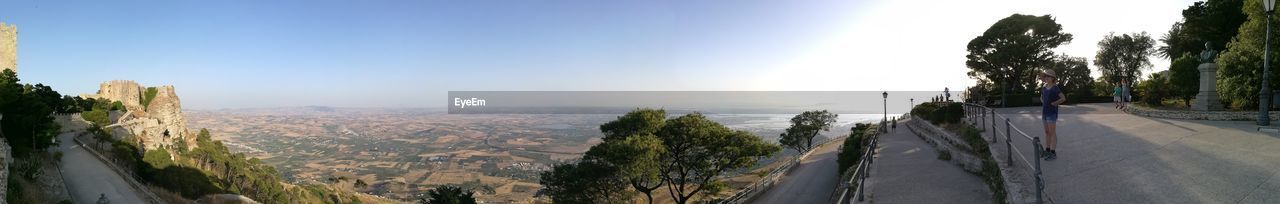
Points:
x=1050, y=97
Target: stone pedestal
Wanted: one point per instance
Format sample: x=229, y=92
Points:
x=1207, y=99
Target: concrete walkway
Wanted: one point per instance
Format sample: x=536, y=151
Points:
x=86, y=176
x=907, y=170
x=811, y=182
x=1107, y=156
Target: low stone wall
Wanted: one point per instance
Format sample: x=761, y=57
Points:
x=1198, y=115
x=944, y=140
x=6, y=159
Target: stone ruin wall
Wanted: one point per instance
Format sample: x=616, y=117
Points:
x=159, y=125
x=8, y=47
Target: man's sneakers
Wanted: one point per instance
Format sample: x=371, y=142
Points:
x=1049, y=155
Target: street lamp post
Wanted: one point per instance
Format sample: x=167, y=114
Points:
x=1264, y=118
x=886, y=105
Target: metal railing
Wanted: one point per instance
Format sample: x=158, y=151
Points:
x=978, y=115
x=855, y=184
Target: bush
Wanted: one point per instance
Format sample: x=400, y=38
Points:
x=939, y=112
x=158, y=159
x=852, y=147
x=117, y=106
x=150, y=95
x=944, y=155
x=98, y=117
x=1154, y=90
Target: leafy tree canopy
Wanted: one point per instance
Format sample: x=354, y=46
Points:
x=448, y=195
x=1124, y=56
x=1240, y=66
x=804, y=127
x=1014, y=47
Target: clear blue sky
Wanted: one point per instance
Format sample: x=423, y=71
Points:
x=387, y=53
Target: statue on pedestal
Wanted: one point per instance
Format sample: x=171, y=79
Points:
x=1207, y=99
x=1208, y=55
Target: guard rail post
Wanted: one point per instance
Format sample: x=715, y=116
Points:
x=863, y=173
x=1007, y=145
x=1039, y=182
x=994, y=136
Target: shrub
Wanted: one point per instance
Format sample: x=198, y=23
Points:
x=944, y=155
x=852, y=147
x=939, y=112
x=1154, y=90
x=150, y=95
x=96, y=116
x=158, y=159
x=117, y=106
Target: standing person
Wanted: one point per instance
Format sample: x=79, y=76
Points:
x=1117, y=95
x=1127, y=95
x=1051, y=96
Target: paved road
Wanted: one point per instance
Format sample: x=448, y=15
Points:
x=1107, y=156
x=87, y=177
x=907, y=170
x=810, y=182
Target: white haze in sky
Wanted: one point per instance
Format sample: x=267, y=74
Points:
x=920, y=45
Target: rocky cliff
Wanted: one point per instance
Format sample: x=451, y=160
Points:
x=157, y=124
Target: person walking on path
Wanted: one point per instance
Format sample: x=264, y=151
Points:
x=1051, y=97
x=1126, y=94
x=1117, y=96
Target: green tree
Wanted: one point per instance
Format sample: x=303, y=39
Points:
x=448, y=195
x=586, y=181
x=158, y=159
x=27, y=123
x=1184, y=78
x=1240, y=66
x=97, y=117
x=1123, y=57
x=641, y=121
x=1213, y=21
x=1073, y=75
x=1012, y=48
x=852, y=147
x=1155, y=89
x=636, y=157
x=700, y=150
x=804, y=127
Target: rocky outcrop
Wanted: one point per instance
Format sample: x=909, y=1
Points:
x=158, y=124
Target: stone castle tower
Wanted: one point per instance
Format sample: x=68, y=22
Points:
x=8, y=47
